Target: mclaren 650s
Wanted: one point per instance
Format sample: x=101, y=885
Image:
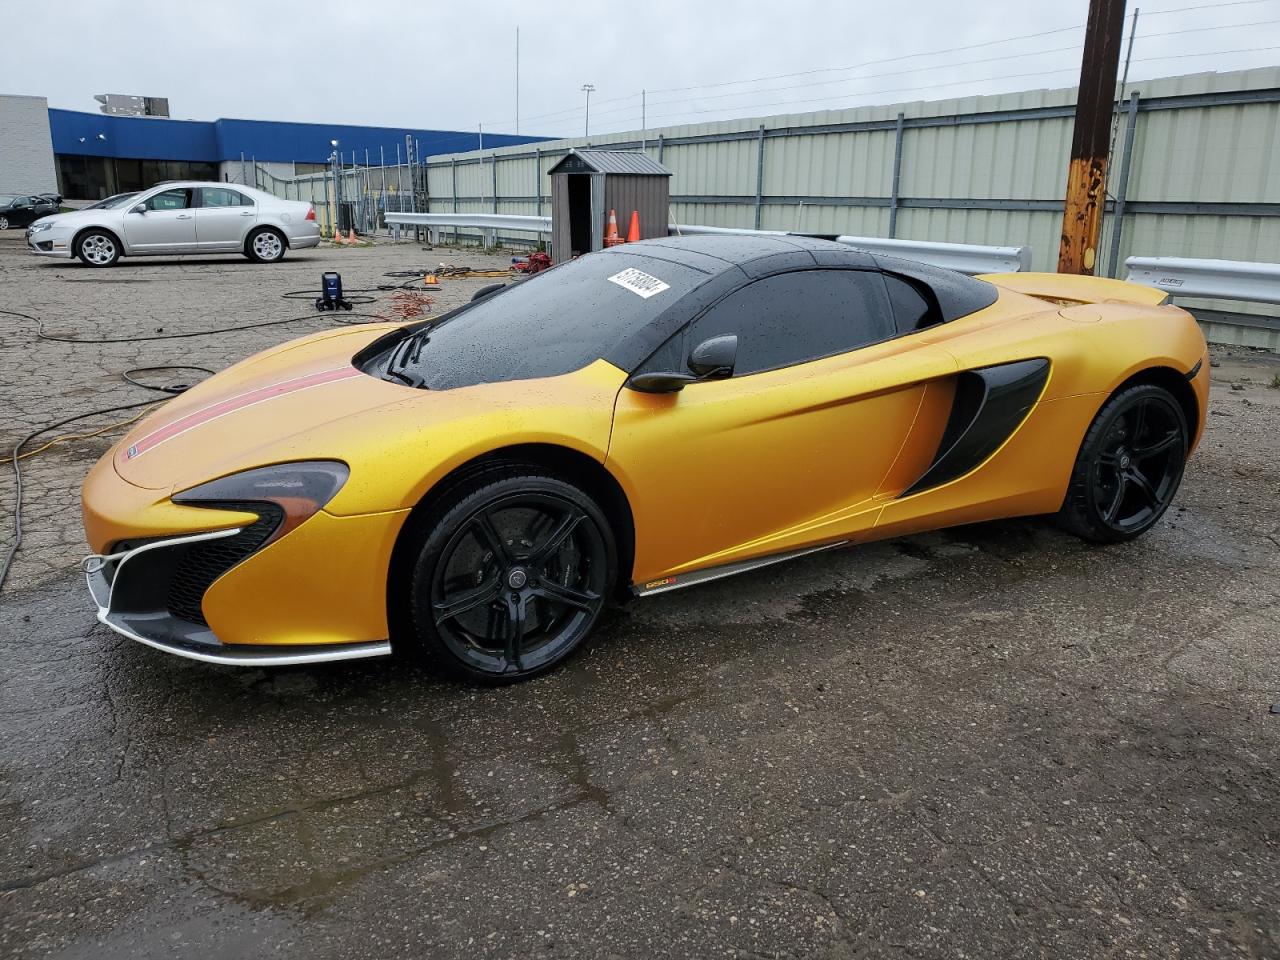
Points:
x=476, y=488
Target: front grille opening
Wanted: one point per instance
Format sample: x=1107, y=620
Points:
x=206, y=560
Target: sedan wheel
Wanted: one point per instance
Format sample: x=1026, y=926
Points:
x=1129, y=466
x=266, y=246
x=512, y=579
x=99, y=249
x=4, y=223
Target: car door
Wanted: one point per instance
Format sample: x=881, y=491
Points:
x=44, y=207
x=22, y=212
x=800, y=446
x=166, y=224
x=223, y=219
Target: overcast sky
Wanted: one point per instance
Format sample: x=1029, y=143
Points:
x=452, y=65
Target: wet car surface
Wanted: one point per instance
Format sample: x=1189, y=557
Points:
x=994, y=740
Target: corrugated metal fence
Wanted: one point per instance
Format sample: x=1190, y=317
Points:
x=1196, y=171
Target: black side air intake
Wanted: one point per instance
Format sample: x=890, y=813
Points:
x=990, y=403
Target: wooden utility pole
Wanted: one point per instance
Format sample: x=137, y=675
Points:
x=1087, y=175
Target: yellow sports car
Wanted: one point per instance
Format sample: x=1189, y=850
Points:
x=475, y=489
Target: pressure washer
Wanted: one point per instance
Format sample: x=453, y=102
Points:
x=331, y=293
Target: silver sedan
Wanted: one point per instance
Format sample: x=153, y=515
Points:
x=179, y=218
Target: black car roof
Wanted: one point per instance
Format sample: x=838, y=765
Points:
x=746, y=249
x=757, y=255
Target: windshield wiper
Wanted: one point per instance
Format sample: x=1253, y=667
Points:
x=400, y=356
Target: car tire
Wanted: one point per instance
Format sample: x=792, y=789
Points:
x=98, y=248
x=510, y=573
x=1129, y=466
x=4, y=223
x=265, y=245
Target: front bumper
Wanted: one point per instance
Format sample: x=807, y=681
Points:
x=133, y=590
x=44, y=245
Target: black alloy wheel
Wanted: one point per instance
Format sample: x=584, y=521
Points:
x=1129, y=466
x=512, y=578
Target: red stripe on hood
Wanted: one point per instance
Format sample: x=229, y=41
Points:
x=231, y=404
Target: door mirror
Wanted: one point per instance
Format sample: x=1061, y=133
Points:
x=714, y=359
x=660, y=382
x=711, y=360
x=140, y=208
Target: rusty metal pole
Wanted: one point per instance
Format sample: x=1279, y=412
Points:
x=1087, y=175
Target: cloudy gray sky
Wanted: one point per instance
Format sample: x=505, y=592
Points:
x=452, y=65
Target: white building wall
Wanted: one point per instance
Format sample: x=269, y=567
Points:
x=26, y=146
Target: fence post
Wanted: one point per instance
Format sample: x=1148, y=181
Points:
x=661, y=144
x=537, y=176
x=493, y=170
x=759, y=174
x=897, y=177
x=1122, y=188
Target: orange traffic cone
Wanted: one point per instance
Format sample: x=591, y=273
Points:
x=633, y=231
x=351, y=236
x=611, y=237
x=337, y=236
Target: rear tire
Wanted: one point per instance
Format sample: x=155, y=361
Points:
x=510, y=574
x=1129, y=466
x=97, y=248
x=265, y=245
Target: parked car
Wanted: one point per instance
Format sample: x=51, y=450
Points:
x=650, y=417
x=179, y=218
x=18, y=210
x=54, y=198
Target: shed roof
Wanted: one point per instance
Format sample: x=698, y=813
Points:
x=610, y=161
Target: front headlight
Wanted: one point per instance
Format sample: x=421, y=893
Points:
x=299, y=489
x=38, y=227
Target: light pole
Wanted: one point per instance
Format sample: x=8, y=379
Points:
x=586, y=120
x=335, y=161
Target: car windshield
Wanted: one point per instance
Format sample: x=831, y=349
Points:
x=119, y=200
x=6, y=198
x=555, y=322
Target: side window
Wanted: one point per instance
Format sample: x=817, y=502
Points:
x=178, y=199
x=222, y=197
x=794, y=317
x=911, y=309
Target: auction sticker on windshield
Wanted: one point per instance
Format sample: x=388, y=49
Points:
x=639, y=282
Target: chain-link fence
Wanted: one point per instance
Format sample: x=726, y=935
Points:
x=351, y=196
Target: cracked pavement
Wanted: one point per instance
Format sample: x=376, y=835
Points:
x=988, y=741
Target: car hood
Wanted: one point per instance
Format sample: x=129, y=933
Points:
x=73, y=216
x=305, y=400
x=254, y=412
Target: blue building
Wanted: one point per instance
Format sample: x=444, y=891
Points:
x=97, y=155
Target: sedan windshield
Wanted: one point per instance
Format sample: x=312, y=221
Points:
x=557, y=321
x=119, y=200
x=6, y=199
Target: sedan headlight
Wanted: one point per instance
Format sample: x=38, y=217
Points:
x=300, y=490
x=38, y=227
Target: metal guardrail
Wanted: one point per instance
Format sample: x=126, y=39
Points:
x=474, y=221
x=963, y=257
x=1212, y=279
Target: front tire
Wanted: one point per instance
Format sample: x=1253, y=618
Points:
x=4, y=223
x=97, y=248
x=1129, y=466
x=511, y=575
x=265, y=245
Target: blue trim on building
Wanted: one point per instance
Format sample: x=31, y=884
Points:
x=159, y=138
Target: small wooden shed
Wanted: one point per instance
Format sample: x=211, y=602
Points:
x=587, y=184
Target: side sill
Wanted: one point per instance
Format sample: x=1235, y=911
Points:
x=665, y=584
